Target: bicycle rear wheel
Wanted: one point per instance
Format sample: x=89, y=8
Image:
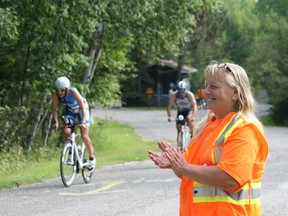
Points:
x=67, y=166
x=86, y=173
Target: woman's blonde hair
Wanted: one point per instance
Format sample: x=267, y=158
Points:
x=237, y=78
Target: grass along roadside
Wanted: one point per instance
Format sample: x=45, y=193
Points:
x=114, y=143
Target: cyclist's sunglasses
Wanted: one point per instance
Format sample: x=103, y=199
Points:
x=61, y=90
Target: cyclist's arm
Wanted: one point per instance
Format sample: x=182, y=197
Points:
x=193, y=103
x=54, y=108
x=170, y=105
x=76, y=95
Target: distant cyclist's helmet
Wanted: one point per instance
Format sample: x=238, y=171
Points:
x=62, y=82
x=182, y=86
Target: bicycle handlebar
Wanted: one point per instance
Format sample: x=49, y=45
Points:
x=70, y=126
x=177, y=119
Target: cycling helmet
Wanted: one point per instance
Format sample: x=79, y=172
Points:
x=62, y=82
x=182, y=86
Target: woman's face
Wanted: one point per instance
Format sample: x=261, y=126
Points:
x=61, y=92
x=219, y=96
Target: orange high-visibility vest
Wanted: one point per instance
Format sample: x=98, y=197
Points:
x=240, y=149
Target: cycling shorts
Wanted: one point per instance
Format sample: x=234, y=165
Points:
x=73, y=116
x=183, y=113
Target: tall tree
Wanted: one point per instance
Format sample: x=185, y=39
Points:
x=206, y=43
x=269, y=59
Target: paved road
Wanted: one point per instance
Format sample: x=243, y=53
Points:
x=132, y=189
x=139, y=188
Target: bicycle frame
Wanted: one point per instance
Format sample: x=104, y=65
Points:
x=79, y=158
x=71, y=161
x=184, y=134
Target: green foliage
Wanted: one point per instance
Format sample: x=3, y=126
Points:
x=13, y=160
x=208, y=38
x=11, y=150
x=269, y=59
x=8, y=26
x=104, y=91
x=254, y=35
x=268, y=120
x=198, y=82
x=279, y=113
x=240, y=29
x=11, y=120
x=267, y=6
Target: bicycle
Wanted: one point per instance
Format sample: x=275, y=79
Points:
x=184, y=135
x=74, y=158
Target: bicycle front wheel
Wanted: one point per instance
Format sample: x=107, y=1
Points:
x=186, y=138
x=86, y=173
x=67, y=165
x=180, y=140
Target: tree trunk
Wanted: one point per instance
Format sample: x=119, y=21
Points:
x=179, y=67
x=180, y=63
x=94, y=52
x=37, y=123
x=48, y=130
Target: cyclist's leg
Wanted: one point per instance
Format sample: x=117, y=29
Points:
x=85, y=133
x=178, y=127
x=190, y=123
x=179, y=130
x=67, y=131
x=86, y=139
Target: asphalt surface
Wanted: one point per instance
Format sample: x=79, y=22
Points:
x=140, y=188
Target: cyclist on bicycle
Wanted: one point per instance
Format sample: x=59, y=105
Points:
x=76, y=106
x=186, y=106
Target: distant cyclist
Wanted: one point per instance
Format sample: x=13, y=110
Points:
x=186, y=106
x=76, y=106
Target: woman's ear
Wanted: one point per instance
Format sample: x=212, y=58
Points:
x=235, y=95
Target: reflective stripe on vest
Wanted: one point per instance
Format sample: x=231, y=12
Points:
x=199, y=126
x=247, y=194
x=227, y=130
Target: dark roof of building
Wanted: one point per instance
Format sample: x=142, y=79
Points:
x=173, y=64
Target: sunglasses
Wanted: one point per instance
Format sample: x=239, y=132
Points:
x=61, y=90
x=226, y=67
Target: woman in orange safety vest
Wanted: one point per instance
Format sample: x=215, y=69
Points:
x=223, y=166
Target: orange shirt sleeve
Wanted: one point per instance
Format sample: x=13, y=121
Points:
x=239, y=154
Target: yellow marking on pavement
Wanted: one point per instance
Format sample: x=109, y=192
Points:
x=139, y=180
x=168, y=180
x=157, y=180
x=99, y=190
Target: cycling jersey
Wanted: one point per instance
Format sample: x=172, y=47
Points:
x=72, y=108
x=70, y=102
x=183, y=104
